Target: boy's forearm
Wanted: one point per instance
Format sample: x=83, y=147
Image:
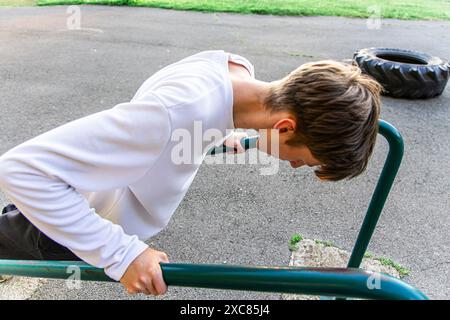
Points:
x=64, y=215
x=103, y=151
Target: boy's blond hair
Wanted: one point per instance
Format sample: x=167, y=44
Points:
x=337, y=110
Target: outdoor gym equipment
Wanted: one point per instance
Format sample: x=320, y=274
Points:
x=334, y=282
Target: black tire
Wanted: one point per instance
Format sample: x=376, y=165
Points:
x=404, y=73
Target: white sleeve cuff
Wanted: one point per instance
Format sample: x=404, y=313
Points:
x=117, y=270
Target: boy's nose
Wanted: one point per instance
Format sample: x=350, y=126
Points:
x=297, y=164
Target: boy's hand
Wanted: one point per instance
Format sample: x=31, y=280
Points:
x=234, y=141
x=144, y=274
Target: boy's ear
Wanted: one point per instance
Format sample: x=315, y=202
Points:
x=285, y=125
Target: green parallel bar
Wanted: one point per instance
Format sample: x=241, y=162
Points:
x=336, y=282
x=247, y=143
x=382, y=189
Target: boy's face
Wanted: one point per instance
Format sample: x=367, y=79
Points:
x=298, y=156
x=274, y=143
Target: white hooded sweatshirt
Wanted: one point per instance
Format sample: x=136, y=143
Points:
x=103, y=184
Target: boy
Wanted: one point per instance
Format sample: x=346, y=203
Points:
x=97, y=187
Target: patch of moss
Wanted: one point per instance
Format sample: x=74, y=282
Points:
x=402, y=271
x=324, y=243
x=296, y=238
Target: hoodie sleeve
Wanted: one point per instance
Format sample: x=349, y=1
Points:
x=102, y=151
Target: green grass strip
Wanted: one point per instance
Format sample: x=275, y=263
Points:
x=399, y=9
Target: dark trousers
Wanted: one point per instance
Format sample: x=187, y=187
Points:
x=20, y=240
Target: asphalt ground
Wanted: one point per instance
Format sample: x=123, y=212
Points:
x=232, y=214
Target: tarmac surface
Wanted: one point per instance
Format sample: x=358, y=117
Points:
x=232, y=214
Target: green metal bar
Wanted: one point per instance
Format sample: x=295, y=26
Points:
x=247, y=143
x=387, y=176
x=336, y=282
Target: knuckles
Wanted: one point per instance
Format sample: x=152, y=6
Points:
x=165, y=257
x=144, y=280
x=152, y=272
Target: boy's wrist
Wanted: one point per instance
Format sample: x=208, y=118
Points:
x=118, y=269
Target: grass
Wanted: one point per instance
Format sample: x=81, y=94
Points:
x=296, y=238
x=399, y=9
x=324, y=243
x=402, y=271
x=17, y=3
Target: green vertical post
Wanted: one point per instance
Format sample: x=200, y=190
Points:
x=390, y=169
